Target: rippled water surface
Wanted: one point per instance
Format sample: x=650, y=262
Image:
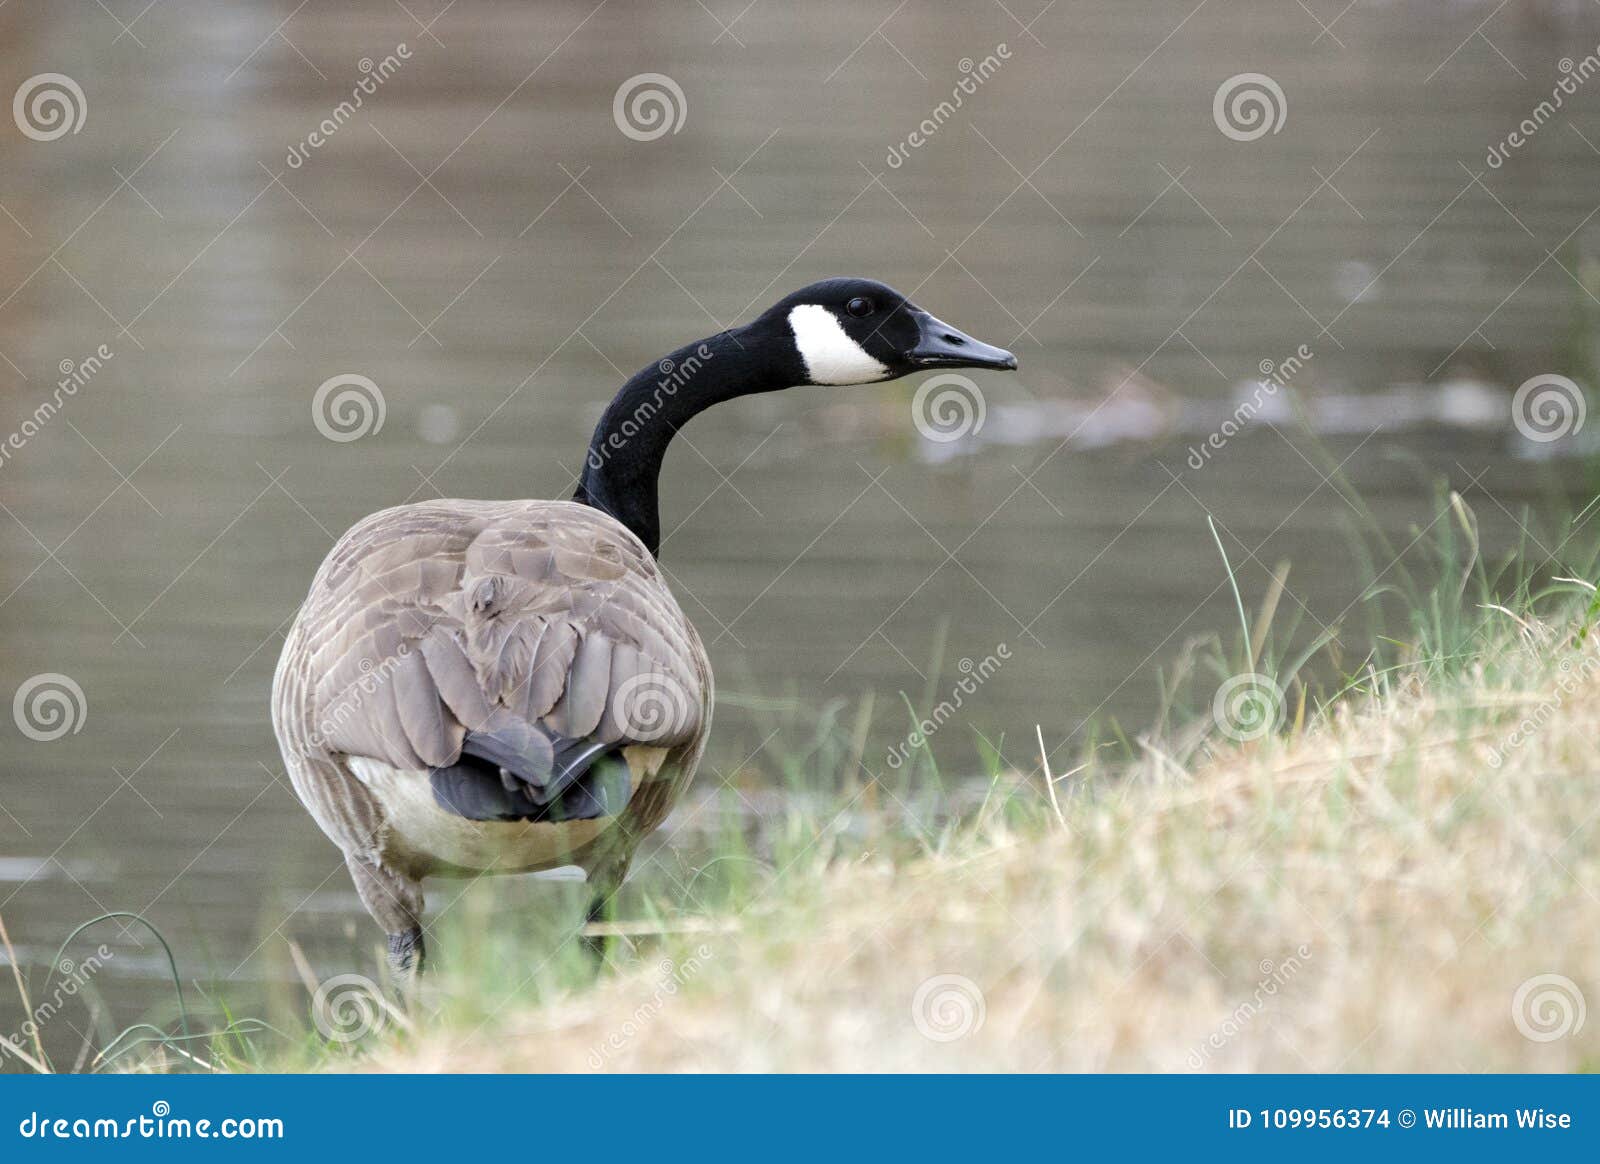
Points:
x=482, y=242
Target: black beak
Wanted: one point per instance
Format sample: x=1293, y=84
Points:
x=941, y=346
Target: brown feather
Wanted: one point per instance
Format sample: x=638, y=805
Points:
x=531, y=619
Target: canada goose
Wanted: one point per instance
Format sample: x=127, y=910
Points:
x=509, y=686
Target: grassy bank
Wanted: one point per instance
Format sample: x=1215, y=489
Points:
x=1390, y=886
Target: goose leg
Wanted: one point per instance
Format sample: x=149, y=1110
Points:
x=604, y=883
x=407, y=954
x=596, y=944
x=395, y=903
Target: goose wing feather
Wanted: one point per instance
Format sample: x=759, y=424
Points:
x=518, y=632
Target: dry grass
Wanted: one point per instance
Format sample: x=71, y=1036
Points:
x=1366, y=895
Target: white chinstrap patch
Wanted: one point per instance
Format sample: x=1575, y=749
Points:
x=830, y=355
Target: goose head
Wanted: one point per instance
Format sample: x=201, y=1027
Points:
x=860, y=331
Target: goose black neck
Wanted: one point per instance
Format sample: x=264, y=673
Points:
x=623, y=465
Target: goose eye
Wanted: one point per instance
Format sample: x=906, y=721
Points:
x=859, y=307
